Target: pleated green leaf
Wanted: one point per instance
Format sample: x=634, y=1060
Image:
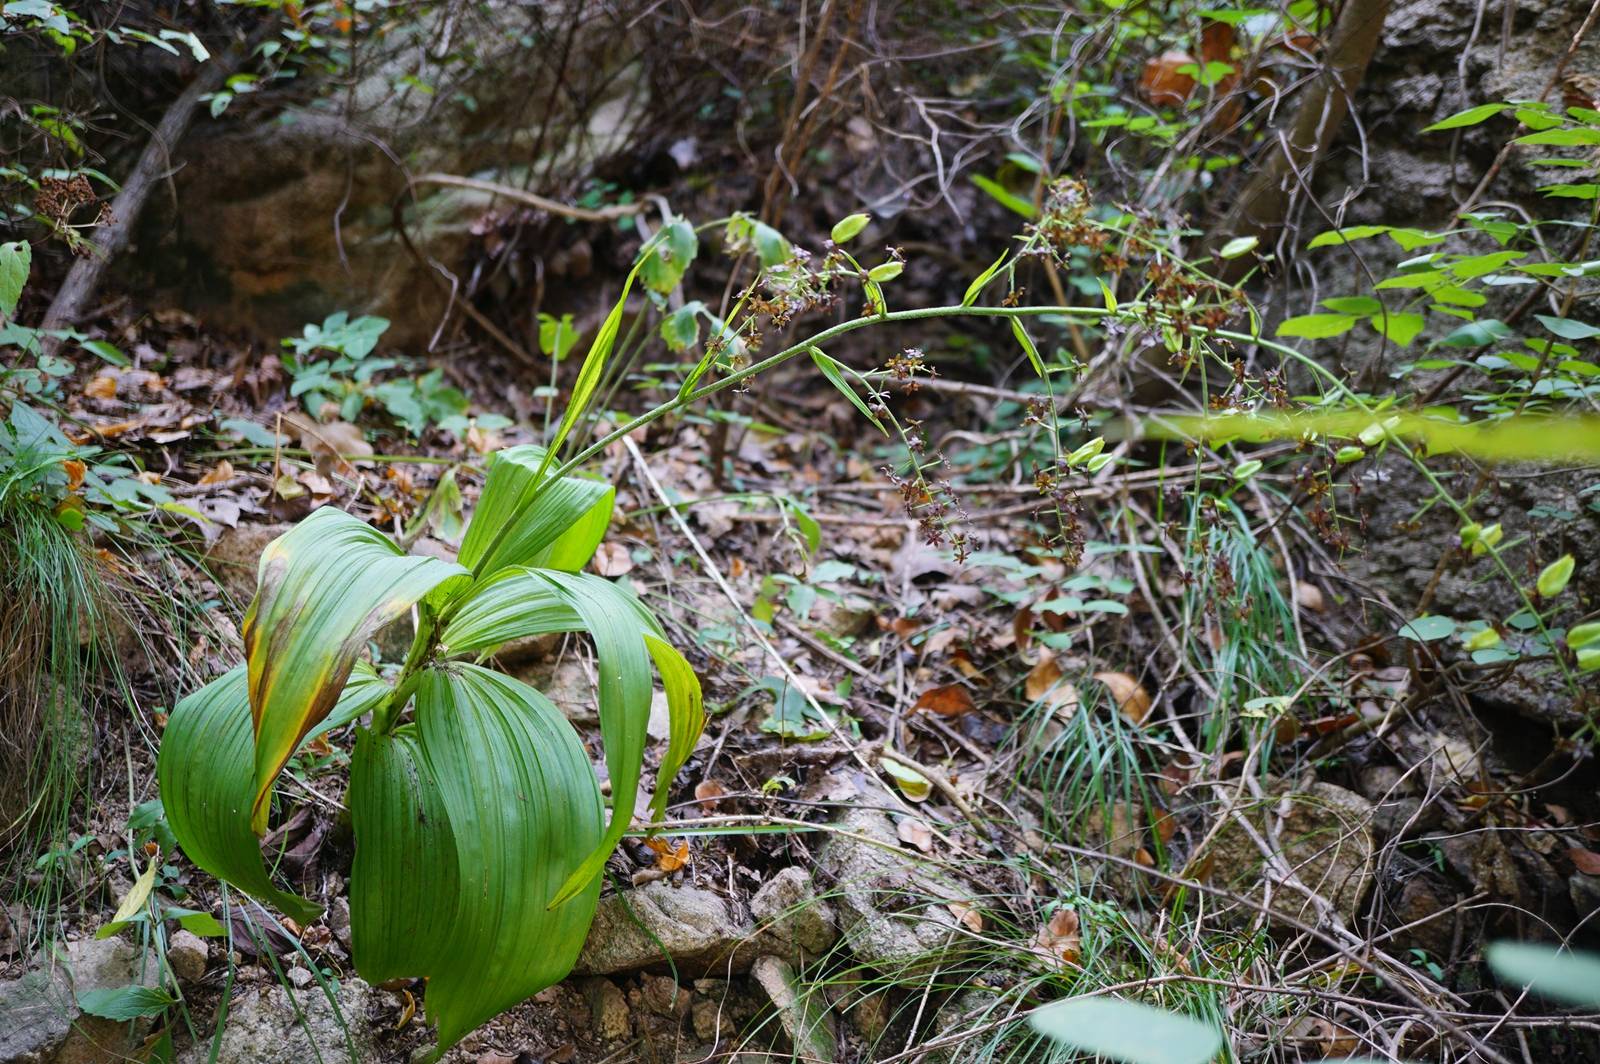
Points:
x=523, y=806
x=524, y=520
x=404, y=885
x=515, y=603
x=518, y=603
x=323, y=589
x=623, y=702
x=686, y=715
x=205, y=776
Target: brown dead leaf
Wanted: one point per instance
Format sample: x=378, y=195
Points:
x=101, y=387
x=333, y=445
x=75, y=471
x=914, y=832
x=612, y=559
x=1585, y=861
x=1132, y=699
x=708, y=793
x=964, y=665
x=1309, y=597
x=1059, y=938
x=969, y=916
x=669, y=858
x=904, y=627
x=1163, y=82
x=951, y=700
x=222, y=471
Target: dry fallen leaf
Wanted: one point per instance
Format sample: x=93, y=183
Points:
x=1058, y=939
x=1163, y=82
x=1309, y=597
x=708, y=793
x=914, y=832
x=1045, y=683
x=221, y=472
x=669, y=858
x=332, y=445
x=1585, y=861
x=1131, y=697
x=951, y=700
x=969, y=916
x=101, y=387
x=612, y=560
x=75, y=471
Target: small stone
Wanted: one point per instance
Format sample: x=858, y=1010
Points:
x=787, y=907
x=697, y=928
x=187, y=953
x=804, y=1014
x=608, y=1009
x=711, y=1023
x=339, y=921
x=301, y=978
x=662, y=995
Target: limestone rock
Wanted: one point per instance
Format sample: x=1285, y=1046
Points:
x=698, y=928
x=802, y=1010
x=233, y=558
x=608, y=1009
x=263, y=1026
x=186, y=953
x=1325, y=837
x=892, y=911
x=40, y=1022
x=788, y=909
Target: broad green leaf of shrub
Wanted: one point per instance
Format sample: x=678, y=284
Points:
x=1317, y=326
x=1127, y=1031
x=1399, y=327
x=1563, y=975
x=323, y=589
x=671, y=253
x=1470, y=117
x=15, y=259
x=1428, y=628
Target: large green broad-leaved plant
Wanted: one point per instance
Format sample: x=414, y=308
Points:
x=480, y=830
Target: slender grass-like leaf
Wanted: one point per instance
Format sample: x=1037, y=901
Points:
x=324, y=589
x=686, y=715
x=523, y=805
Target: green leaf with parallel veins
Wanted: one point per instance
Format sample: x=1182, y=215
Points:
x=323, y=589
x=1560, y=974
x=525, y=519
x=686, y=716
x=976, y=287
x=124, y=1003
x=404, y=883
x=523, y=803
x=1127, y=1031
x=205, y=772
x=835, y=375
